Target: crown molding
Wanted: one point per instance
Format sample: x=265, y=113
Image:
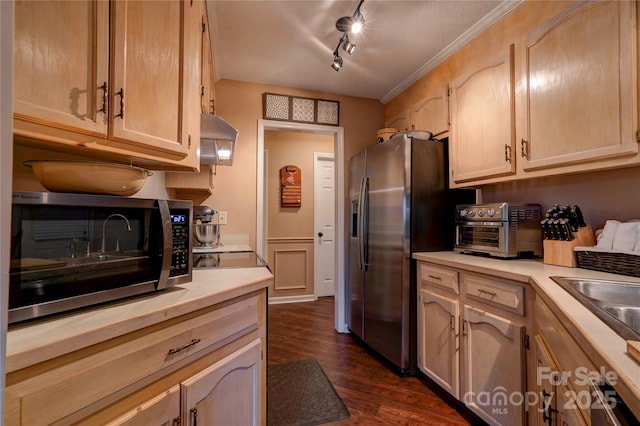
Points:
x=477, y=29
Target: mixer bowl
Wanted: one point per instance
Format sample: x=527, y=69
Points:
x=207, y=234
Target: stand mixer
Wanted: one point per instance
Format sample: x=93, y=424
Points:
x=205, y=231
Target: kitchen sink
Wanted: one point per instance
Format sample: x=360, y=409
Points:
x=617, y=303
x=608, y=291
x=629, y=315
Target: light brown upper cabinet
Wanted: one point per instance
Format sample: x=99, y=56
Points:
x=207, y=80
x=118, y=77
x=483, y=120
x=400, y=121
x=61, y=59
x=431, y=113
x=578, y=102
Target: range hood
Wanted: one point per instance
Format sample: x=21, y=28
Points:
x=217, y=141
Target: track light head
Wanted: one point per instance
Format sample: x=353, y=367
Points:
x=352, y=24
x=349, y=47
x=358, y=23
x=346, y=44
x=337, y=61
x=344, y=24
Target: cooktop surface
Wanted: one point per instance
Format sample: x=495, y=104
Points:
x=239, y=259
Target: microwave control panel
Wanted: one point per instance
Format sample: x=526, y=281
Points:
x=180, y=251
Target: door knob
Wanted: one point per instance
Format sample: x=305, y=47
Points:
x=320, y=234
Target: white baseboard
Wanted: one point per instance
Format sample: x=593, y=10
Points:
x=292, y=299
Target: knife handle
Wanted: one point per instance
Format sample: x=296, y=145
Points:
x=546, y=229
x=580, y=217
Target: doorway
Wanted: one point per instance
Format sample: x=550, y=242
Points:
x=324, y=225
x=261, y=241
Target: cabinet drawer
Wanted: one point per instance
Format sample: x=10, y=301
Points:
x=440, y=277
x=91, y=374
x=506, y=296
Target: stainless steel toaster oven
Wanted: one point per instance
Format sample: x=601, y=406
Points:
x=506, y=230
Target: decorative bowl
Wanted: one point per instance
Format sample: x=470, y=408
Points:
x=88, y=177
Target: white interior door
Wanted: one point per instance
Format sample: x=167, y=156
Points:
x=324, y=225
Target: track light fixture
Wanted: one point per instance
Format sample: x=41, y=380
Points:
x=347, y=24
x=346, y=44
x=337, y=60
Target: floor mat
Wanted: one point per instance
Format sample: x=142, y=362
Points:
x=299, y=393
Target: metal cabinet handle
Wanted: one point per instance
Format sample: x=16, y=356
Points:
x=547, y=410
x=191, y=343
x=121, y=94
x=194, y=416
x=490, y=293
x=507, y=153
x=524, y=147
x=452, y=322
x=435, y=277
x=104, y=98
x=464, y=327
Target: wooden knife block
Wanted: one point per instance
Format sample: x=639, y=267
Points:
x=558, y=252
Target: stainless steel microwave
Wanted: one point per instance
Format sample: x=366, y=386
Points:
x=70, y=251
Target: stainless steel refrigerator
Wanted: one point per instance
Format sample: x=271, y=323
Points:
x=399, y=204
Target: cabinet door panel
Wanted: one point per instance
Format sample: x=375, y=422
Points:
x=61, y=58
x=580, y=99
x=147, y=74
x=493, y=367
x=228, y=392
x=483, y=121
x=401, y=121
x=439, y=356
x=432, y=113
x=163, y=410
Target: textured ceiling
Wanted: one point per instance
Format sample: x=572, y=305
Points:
x=291, y=43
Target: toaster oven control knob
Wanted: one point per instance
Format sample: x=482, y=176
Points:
x=472, y=213
x=491, y=212
x=480, y=213
x=462, y=212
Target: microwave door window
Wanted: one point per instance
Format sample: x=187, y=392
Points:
x=60, y=252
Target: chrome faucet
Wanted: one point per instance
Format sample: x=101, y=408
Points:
x=103, y=247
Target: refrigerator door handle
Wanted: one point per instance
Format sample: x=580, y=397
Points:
x=363, y=236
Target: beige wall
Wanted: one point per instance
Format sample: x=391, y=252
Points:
x=292, y=148
x=240, y=104
x=609, y=194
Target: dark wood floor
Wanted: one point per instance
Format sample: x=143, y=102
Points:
x=372, y=392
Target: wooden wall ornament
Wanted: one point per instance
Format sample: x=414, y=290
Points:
x=290, y=186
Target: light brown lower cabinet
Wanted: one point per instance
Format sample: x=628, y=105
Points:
x=204, y=367
x=559, y=372
x=227, y=393
x=553, y=404
x=472, y=340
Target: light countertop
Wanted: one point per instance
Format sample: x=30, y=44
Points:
x=599, y=341
x=65, y=333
